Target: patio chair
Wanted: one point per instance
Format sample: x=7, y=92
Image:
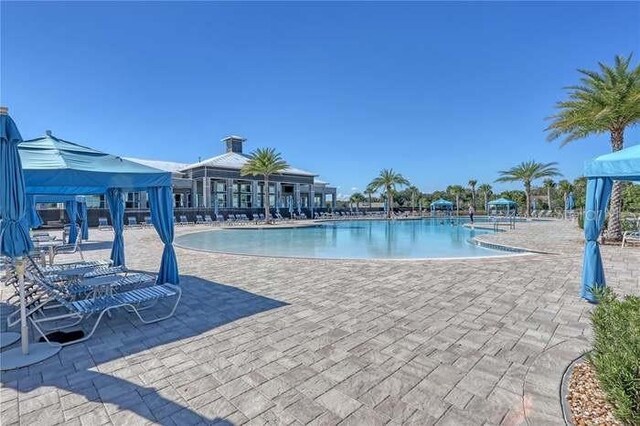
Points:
x=220, y=219
x=69, y=248
x=208, y=220
x=132, y=222
x=183, y=220
x=103, y=224
x=199, y=220
x=630, y=237
x=80, y=310
x=147, y=222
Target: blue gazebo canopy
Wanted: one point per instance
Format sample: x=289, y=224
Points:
x=54, y=166
x=600, y=173
x=442, y=203
x=503, y=202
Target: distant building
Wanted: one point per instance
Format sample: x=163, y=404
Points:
x=217, y=183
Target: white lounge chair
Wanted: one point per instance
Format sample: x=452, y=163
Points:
x=630, y=237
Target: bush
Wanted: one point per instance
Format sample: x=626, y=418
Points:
x=616, y=353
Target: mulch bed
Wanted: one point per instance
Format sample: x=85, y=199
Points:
x=587, y=400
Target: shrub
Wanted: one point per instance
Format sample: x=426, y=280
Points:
x=616, y=353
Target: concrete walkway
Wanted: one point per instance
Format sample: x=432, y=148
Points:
x=293, y=341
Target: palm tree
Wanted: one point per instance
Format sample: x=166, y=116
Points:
x=369, y=191
x=457, y=191
x=605, y=101
x=388, y=179
x=357, y=198
x=565, y=187
x=548, y=184
x=264, y=162
x=414, y=193
x=472, y=185
x=485, y=189
x=527, y=172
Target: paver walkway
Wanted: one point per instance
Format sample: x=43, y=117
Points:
x=293, y=341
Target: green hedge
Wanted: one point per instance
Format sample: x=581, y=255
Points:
x=616, y=353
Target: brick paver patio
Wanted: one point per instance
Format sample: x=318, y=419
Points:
x=293, y=341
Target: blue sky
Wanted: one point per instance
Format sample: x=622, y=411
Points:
x=441, y=92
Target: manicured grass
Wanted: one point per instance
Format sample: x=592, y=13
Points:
x=616, y=353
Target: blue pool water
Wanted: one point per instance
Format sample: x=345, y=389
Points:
x=361, y=239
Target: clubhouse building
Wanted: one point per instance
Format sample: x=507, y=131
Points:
x=216, y=183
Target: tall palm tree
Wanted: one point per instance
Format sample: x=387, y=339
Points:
x=527, y=172
x=548, y=184
x=264, y=162
x=387, y=180
x=605, y=101
x=565, y=187
x=414, y=193
x=472, y=185
x=457, y=191
x=356, y=198
x=369, y=191
x=485, y=189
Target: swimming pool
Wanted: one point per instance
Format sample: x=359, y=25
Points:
x=356, y=239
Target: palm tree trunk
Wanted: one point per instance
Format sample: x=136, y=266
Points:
x=486, y=203
x=614, y=229
x=266, y=200
x=527, y=193
x=390, y=206
x=549, y=197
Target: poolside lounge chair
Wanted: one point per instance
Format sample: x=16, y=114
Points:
x=103, y=224
x=220, y=219
x=147, y=222
x=80, y=310
x=199, y=220
x=183, y=220
x=132, y=222
x=208, y=220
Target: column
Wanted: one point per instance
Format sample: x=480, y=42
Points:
x=254, y=194
x=312, y=199
x=334, y=196
x=278, y=195
x=297, y=196
x=195, y=199
x=206, y=192
x=230, y=183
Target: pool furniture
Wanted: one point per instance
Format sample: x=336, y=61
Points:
x=199, y=220
x=183, y=220
x=208, y=220
x=68, y=249
x=630, y=237
x=132, y=222
x=147, y=222
x=78, y=310
x=103, y=224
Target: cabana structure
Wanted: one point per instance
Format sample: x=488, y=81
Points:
x=56, y=167
x=509, y=205
x=441, y=204
x=600, y=173
x=50, y=167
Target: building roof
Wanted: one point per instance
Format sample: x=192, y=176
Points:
x=235, y=161
x=167, y=166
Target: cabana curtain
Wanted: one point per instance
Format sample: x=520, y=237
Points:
x=34, y=217
x=71, y=208
x=115, y=200
x=160, y=202
x=600, y=173
x=84, y=224
x=596, y=209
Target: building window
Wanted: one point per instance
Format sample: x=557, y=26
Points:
x=132, y=200
x=219, y=193
x=242, y=195
x=272, y=195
